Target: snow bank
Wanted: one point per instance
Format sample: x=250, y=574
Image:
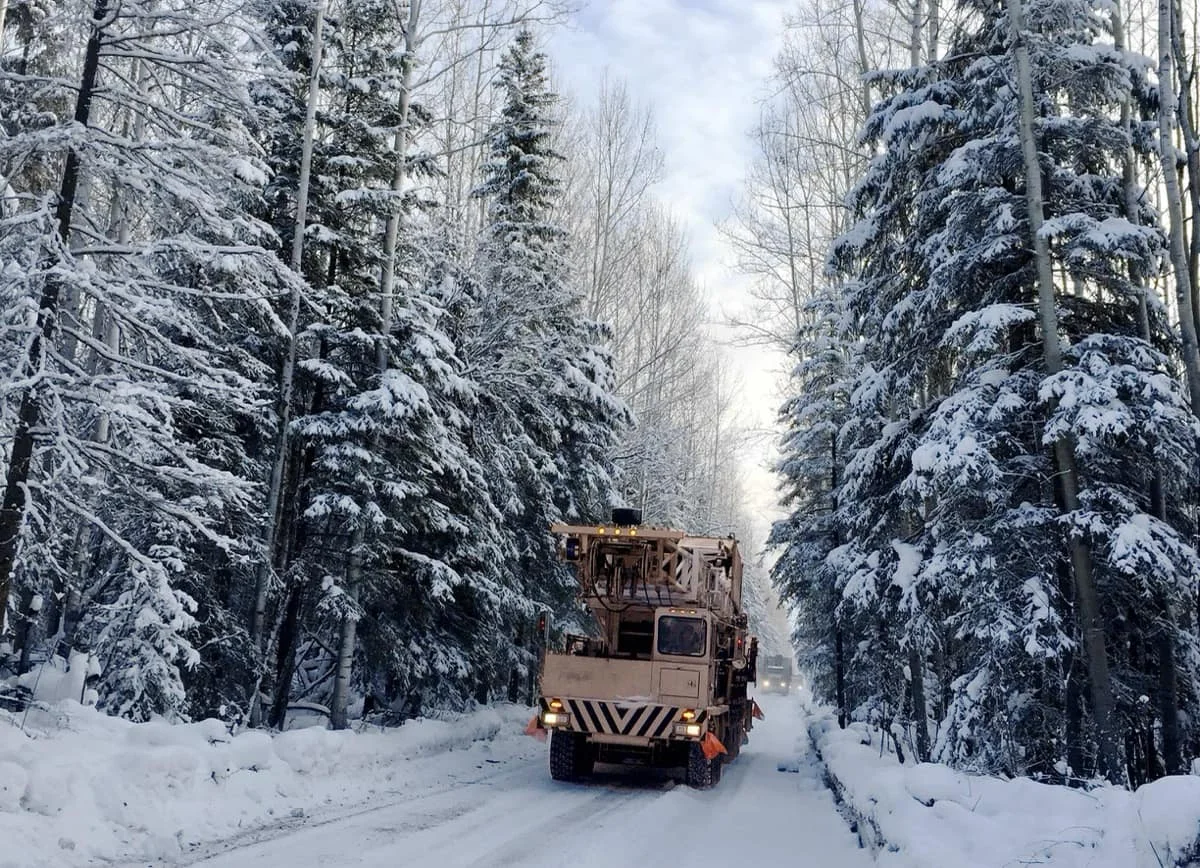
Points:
x=77, y=786
x=930, y=816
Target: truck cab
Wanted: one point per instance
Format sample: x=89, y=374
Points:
x=776, y=676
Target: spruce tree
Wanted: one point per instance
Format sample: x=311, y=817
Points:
x=547, y=416
x=958, y=540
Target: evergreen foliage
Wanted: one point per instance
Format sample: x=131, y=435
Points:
x=448, y=401
x=547, y=418
x=938, y=529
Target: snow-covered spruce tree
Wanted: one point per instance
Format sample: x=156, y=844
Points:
x=546, y=419
x=398, y=524
x=396, y=456
x=811, y=468
x=958, y=536
x=287, y=91
x=139, y=273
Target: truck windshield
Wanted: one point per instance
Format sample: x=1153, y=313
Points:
x=685, y=637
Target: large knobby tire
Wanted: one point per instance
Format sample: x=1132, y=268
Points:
x=701, y=771
x=571, y=757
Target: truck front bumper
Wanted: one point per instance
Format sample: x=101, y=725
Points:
x=618, y=722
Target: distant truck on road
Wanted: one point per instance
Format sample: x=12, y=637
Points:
x=776, y=675
x=664, y=680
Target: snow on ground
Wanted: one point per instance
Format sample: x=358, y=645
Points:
x=758, y=815
x=929, y=816
x=77, y=787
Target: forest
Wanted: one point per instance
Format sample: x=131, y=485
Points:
x=315, y=314
x=973, y=226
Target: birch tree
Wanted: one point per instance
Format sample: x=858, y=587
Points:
x=136, y=268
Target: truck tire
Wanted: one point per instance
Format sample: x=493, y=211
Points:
x=701, y=772
x=571, y=757
x=734, y=743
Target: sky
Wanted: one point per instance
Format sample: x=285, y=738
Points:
x=702, y=66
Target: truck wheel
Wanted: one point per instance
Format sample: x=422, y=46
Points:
x=571, y=756
x=700, y=770
x=734, y=742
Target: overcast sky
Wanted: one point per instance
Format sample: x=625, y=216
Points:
x=701, y=65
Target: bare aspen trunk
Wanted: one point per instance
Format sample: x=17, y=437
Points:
x=12, y=509
x=345, y=665
x=1167, y=106
x=932, y=30
x=839, y=640
x=1167, y=692
x=1064, y=449
x=354, y=569
x=863, y=64
x=915, y=37
x=287, y=378
x=1191, y=145
x=839, y=674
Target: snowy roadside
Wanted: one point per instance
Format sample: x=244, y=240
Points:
x=78, y=787
x=930, y=816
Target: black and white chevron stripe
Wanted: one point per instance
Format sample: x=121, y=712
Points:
x=618, y=718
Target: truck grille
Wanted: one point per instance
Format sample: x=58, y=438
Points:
x=617, y=718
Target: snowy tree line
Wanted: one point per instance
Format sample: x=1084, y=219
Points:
x=972, y=225
x=315, y=314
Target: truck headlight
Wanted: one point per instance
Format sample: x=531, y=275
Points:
x=555, y=718
x=689, y=730
x=766, y=683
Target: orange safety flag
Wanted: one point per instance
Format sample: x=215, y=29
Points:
x=535, y=729
x=757, y=712
x=711, y=746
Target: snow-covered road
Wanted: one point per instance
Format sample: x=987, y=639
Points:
x=509, y=813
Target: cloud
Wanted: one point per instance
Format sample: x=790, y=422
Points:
x=702, y=66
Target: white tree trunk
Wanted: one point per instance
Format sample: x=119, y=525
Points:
x=863, y=64
x=933, y=28
x=1167, y=105
x=1064, y=449
x=354, y=569
x=271, y=530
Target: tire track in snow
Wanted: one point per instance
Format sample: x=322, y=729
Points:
x=603, y=799
x=294, y=825
x=518, y=816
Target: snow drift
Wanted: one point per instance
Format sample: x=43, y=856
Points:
x=930, y=816
x=77, y=786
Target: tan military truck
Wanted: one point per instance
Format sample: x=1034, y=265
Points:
x=663, y=679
